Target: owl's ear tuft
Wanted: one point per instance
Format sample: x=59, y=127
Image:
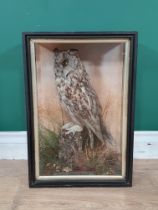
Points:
x=56, y=50
x=73, y=51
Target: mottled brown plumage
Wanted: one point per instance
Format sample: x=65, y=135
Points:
x=77, y=96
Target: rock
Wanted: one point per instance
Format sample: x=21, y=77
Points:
x=67, y=169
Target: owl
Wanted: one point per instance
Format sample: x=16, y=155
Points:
x=77, y=96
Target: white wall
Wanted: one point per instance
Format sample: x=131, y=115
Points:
x=13, y=145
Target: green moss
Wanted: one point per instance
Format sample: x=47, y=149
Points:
x=49, y=146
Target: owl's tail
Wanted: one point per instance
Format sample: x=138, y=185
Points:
x=107, y=137
x=101, y=132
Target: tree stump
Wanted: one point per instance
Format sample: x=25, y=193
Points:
x=70, y=142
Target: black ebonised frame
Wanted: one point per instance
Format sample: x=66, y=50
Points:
x=130, y=119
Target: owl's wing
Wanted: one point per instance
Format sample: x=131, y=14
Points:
x=83, y=106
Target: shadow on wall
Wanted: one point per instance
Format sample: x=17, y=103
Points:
x=12, y=110
x=84, y=50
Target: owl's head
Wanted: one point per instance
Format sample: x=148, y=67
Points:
x=66, y=61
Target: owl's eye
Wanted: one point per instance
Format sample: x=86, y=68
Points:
x=64, y=62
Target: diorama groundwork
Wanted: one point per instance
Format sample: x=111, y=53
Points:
x=70, y=153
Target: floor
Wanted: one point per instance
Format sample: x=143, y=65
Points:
x=15, y=194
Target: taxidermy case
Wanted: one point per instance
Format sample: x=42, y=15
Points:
x=80, y=100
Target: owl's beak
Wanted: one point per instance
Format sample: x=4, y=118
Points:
x=67, y=73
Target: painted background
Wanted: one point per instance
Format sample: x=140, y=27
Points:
x=73, y=15
x=105, y=69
